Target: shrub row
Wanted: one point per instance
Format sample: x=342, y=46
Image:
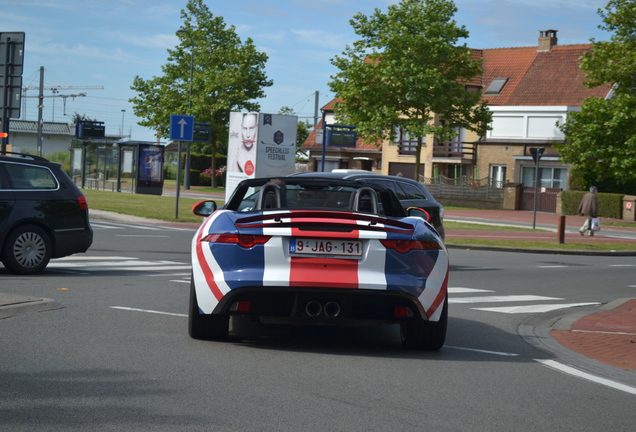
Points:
x=609, y=205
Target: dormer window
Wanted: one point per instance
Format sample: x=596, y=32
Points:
x=496, y=86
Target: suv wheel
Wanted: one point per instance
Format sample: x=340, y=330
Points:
x=27, y=250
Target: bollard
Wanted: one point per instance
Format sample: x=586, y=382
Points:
x=561, y=230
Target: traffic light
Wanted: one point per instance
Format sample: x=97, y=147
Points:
x=4, y=135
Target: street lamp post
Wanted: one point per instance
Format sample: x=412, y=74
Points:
x=186, y=174
x=122, y=124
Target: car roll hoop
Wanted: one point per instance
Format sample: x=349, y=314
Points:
x=271, y=196
x=365, y=200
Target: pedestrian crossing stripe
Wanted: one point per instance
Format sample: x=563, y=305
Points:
x=500, y=299
x=539, y=308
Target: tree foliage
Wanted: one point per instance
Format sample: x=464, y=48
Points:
x=406, y=69
x=227, y=75
x=601, y=138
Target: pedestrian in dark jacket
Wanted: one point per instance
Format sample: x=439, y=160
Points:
x=588, y=208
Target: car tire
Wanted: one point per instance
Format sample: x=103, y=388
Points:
x=425, y=335
x=27, y=250
x=205, y=327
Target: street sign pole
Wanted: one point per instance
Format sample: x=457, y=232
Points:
x=176, y=204
x=11, y=59
x=181, y=129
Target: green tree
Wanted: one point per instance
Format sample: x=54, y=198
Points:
x=227, y=75
x=405, y=69
x=601, y=138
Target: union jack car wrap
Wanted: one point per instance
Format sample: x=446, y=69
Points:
x=328, y=260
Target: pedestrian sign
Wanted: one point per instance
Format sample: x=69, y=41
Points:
x=181, y=127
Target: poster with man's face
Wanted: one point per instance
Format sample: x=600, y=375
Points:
x=260, y=145
x=242, y=141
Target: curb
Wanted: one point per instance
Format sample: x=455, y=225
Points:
x=536, y=331
x=541, y=251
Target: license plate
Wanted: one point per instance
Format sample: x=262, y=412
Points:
x=352, y=248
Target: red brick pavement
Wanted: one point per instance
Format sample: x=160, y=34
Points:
x=608, y=336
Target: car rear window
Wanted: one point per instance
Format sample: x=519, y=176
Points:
x=28, y=177
x=411, y=192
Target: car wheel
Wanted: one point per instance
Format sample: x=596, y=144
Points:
x=205, y=327
x=27, y=250
x=425, y=335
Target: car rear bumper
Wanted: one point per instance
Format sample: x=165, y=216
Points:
x=294, y=305
x=68, y=242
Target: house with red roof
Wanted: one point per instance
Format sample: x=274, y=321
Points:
x=529, y=90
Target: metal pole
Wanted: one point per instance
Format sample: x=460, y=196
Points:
x=176, y=206
x=5, y=94
x=536, y=191
x=40, y=108
x=188, y=160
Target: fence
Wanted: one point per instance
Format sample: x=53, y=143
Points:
x=465, y=191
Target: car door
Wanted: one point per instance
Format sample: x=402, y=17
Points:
x=7, y=201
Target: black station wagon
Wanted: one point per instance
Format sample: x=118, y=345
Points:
x=43, y=215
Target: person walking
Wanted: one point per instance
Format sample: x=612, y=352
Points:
x=588, y=208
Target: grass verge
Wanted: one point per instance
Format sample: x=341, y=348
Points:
x=149, y=206
x=606, y=247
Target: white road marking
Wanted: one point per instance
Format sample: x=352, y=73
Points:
x=147, y=311
x=505, y=354
x=621, y=265
x=552, y=266
x=533, y=308
x=577, y=373
x=145, y=236
x=152, y=267
x=180, y=281
x=93, y=258
x=129, y=263
x=461, y=290
x=500, y=299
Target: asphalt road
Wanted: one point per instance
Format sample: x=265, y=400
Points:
x=116, y=354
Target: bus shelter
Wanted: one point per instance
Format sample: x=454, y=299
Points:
x=129, y=166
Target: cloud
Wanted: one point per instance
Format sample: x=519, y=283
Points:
x=322, y=38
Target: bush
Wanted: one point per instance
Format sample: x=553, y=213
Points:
x=63, y=158
x=609, y=205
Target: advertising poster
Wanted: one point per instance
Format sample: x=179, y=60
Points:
x=150, y=164
x=259, y=145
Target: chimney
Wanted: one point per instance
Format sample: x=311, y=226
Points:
x=547, y=39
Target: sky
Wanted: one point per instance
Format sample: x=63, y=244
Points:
x=97, y=47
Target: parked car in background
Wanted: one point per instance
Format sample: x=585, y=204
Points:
x=316, y=250
x=43, y=215
x=410, y=192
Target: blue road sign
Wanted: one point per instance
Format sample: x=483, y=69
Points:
x=181, y=127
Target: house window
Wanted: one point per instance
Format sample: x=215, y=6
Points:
x=407, y=143
x=548, y=177
x=497, y=175
x=496, y=86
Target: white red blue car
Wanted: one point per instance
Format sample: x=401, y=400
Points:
x=312, y=250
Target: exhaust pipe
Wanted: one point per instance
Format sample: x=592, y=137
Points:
x=332, y=309
x=313, y=308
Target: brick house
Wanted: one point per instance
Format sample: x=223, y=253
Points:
x=529, y=90
x=363, y=156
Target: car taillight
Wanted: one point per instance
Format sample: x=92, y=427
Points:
x=243, y=240
x=81, y=201
x=404, y=246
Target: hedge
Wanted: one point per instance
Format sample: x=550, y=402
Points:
x=609, y=205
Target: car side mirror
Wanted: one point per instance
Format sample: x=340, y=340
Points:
x=419, y=212
x=204, y=208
